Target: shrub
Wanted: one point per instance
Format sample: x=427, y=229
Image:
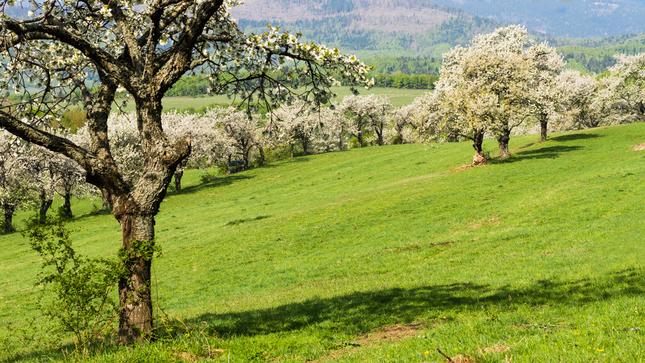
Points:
x=78, y=290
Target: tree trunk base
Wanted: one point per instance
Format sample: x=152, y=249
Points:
x=479, y=159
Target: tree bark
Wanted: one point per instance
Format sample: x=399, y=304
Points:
x=543, y=130
x=502, y=141
x=262, y=156
x=478, y=141
x=135, y=312
x=379, y=133
x=8, y=218
x=67, y=205
x=360, y=138
x=178, y=174
x=44, y=207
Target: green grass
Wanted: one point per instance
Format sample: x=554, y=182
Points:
x=326, y=256
x=398, y=97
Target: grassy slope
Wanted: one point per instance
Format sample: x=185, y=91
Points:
x=540, y=253
x=398, y=97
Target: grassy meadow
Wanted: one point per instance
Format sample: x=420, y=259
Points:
x=383, y=254
x=398, y=98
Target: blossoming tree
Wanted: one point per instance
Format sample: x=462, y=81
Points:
x=84, y=51
x=487, y=86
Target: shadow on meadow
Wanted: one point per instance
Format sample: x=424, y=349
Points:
x=576, y=136
x=361, y=312
x=215, y=182
x=550, y=152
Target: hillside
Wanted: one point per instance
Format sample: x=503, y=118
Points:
x=384, y=253
x=575, y=19
x=368, y=28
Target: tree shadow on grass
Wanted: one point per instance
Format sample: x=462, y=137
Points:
x=550, y=152
x=577, y=136
x=218, y=181
x=361, y=312
x=98, y=212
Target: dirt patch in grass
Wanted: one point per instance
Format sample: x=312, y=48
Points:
x=394, y=332
x=389, y=333
x=495, y=349
x=461, y=168
x=639, y=147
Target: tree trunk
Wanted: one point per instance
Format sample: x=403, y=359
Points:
x=360, y=138
x=304, y=146
x=135, y=312
x=478, y=141
x=8, y=218
x=44, y=207
x=379, y=133
x=502, y=141
x=262, y=156
x=67, y=206
x=543, y=130
x=292, y=151
x=178, y=174
x=104, y=197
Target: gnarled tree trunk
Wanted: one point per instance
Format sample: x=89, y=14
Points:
x=135, y=310
x=478, y=141
x=502, y=141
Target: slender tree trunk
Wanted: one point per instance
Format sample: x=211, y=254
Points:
x=360, y=138
x=502, y=141
x=380, y=136
x=478, y=141
x=67, y=205
x=44, y=207
x=178, y=174
x=228, y=165
x=105, y=199
x=543, y=130
x=262, y=156
x=135, y=312
x=304, y=146
x=291, y=151
x=8, y=218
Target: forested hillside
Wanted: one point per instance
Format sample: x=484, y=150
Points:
x=410, y=36
x=563, y=18
x=369, y=28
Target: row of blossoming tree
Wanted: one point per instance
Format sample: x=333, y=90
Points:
x=489, y=89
